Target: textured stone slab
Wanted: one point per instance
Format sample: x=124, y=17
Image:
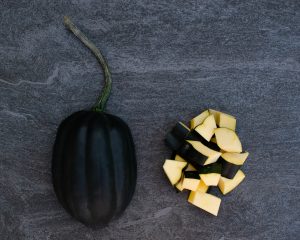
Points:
x=169, y=61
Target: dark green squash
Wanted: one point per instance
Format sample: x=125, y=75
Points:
x=94, y=164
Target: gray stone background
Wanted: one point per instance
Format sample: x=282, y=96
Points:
x=169, y=60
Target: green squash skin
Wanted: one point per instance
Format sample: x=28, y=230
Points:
x=94, y=166
x=191, y=155
x=191, y=174
x=177, y=136
x=211, y=168
x=194, y=136
x=228, y=169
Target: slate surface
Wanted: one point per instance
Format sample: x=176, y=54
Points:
x=169, y=61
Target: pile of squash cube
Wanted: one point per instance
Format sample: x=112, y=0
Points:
x=206, y=154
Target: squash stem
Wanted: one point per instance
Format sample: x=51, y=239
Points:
x=102, y=99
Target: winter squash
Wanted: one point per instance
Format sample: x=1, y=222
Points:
x=94, y=163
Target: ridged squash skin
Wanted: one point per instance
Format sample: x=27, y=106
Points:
x=94, y=166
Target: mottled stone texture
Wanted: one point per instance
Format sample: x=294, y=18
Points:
x=169, y=61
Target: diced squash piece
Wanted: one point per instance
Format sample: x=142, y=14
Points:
x=199, y=119
x=191, y=155
x=176, y=136
x=206, y=129
x=227, y=185
x=180, y=130
x=231, y=163
x=205, y=201
x=202, y=187
x=191, y=180
x=212, y=156
x=173, y=170
x=178, y=158
x=227, y=121
x=223, y=119
x=173, y=142
x=210, y=174
x=235, y=158
x=210, y=179
x=216, y=115
x=195, y=136
x=189, y=166
x=228, y=140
